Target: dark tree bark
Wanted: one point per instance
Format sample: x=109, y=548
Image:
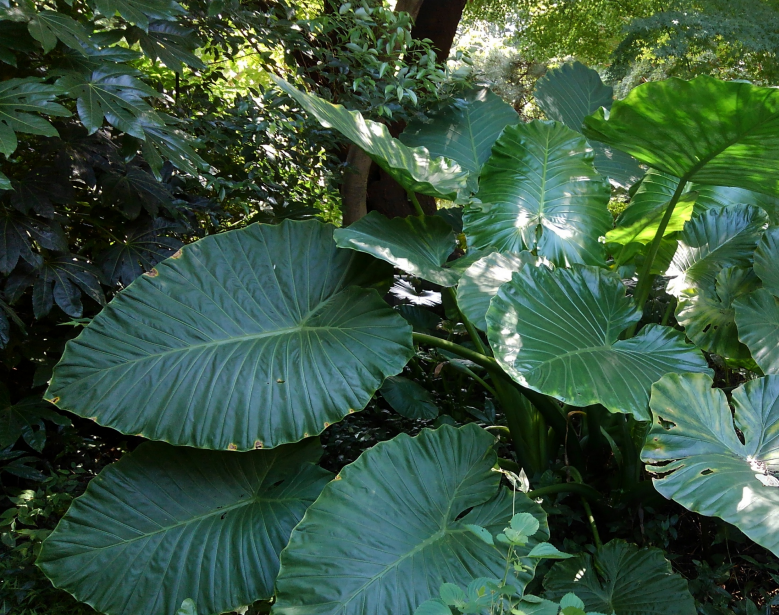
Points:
x=438, y=21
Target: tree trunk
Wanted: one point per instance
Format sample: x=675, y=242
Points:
x=354, y=189
x=409, y=6
x=438, y=21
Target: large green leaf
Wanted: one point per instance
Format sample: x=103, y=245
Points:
x=167, y=523
x=481, y=281
x=766, y=262
x=418, y=245
x=463, y=131
x=718, y=238
x=622, y=579
x=408, y=398
x=757, y=320
x=140, y=12
x=171, y=43
x=720, y=196
x=708, y=315
x=19, y=100
x=641, y=219
x=557, y=332
x=244, y=339
x=539, y=191
x=413, y=168
x=705, y=130
x=388, y=533
x=570, y=93
x=700, y=460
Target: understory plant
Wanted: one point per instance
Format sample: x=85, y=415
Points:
x=234, y=354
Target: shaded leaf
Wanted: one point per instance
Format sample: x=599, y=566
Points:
x=766, y=260
x=170, y=43
x=140, y=12
x=17, y=232
x=62, y=279
x=20, y=99
x=47, y=27
x=757, y=320
x=132, y=189
x=163, y=141
x=202, y=510
x=408, y=398
x=40, y=190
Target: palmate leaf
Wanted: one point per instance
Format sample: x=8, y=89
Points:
x=61, y=279
x=47, y=27
x=163, y=141
x=398, y=537
x=168, y=42
x=480, y=282
x=17, y=233
x=701, y=463
x=173, y=522
x=109, y=90
x=661, y=123
x=622, y=579
x=40, y=190
x=245, y=339
x=708, y=314
x=570, y=93
x=25, y=419
x=413, y=168
x=131, y=190
x=140, y=12
x=557, y=332
x=464, y=131
x=720, y=237
x=20, y=99
x=408, y=398
x=539, y=191
x=418, y=245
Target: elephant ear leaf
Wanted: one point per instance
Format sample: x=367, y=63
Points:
x=408, y=398
x=539, y=191
x=621, y=579
x=660, y=124
x=205, y=510
x=413, y=168
x=418, y=245
x=463, y=131
x=570, y=93
x=577, y=356
x=700, y=461
x=251, y=338
x=391, y=528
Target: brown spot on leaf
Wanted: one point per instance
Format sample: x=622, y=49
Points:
x=337, y=477
x=54, y=400
x=257, y=444
x=152, y=273
x=177, y=254
x=232, y=447
x=327, y=424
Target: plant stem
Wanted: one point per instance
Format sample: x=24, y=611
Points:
x=486, y=362
x=591, y=519
x=415, y=202
x=645, y=278
x=667, y=314
x=501, y=430
x=583, y=490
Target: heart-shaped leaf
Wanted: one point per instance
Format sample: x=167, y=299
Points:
x=408, y=398
x=463, y=131
x=722, y=196
x=539, y=191
x=571, y=92
x=168, y=523
x=557, y=332
x=391, y=529
x=418, y=245
x=757, y=320
x=622, y=579
x=661, y=123
x=700, y=460
x=245, y=339
x=767, y=259
x=481, y=281
x=413, y=168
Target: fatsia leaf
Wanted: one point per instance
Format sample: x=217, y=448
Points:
x=418, y=245
x=720, y=237
x=62, y=279
x=398, y=534
x=702, y=464
x=143, y=246
x=708, y=315
x=244, y=339
x=183, y=518
x=140, y=12
x=463, y=131
x=557, y=332
x=109, y=90
x=621, y=579
x=17, y=232
x=539, y=191
x=131, y=189
x=413, y=168
x=480, y=282
x=766, y=260
x=757, y=320
x=40, y=190
x=641, y=219
x=20, y=99
x=163, y=141
x=25, y=418
x=570, y=93
x=170, y=43
x=47, y=27
x=408, y=398
x=661, y=123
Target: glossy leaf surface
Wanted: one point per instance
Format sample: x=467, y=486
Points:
x=701, y=462
x=622, y=579
x=539, y=191
x=413, y=168
x=557, y=332
x=408, y=398
x=168, y=523
x=388, y=528
x=246, y=339
x=766, y=261
x=418, y=245
x=757, y=320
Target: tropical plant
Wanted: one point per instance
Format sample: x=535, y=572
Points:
x=239, y=350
